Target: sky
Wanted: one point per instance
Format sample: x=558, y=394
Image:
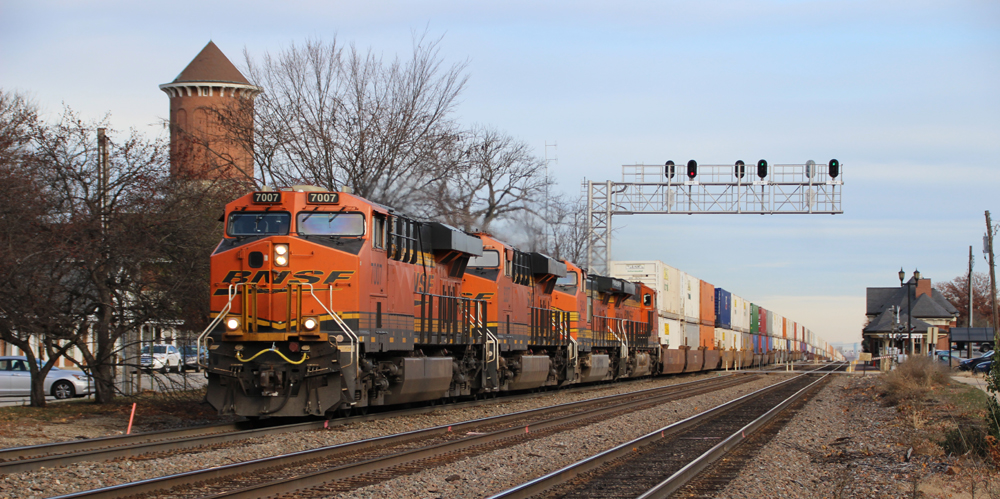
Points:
x=904, y=94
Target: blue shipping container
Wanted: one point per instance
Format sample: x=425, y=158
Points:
x=723, y=308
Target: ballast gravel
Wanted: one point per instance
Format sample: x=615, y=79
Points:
x=565, y=447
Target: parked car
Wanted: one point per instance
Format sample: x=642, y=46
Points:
x=983, y=367
x=942, y=356
x=192, y=356
x=163, y=358
x=15, y=379
x=970, y=364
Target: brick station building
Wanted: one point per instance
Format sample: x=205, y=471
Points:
x=887, y=311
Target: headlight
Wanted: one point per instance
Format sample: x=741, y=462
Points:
x=232, y=323
x=310, y=323
x=281, y=255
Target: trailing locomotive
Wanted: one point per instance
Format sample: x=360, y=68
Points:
x=325, y=301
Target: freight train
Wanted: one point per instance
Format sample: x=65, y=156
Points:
x=325, y=301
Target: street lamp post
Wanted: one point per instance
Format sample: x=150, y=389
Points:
x=909, y=323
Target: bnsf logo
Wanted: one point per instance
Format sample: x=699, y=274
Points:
x=302, y=276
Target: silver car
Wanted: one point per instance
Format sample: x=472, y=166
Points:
x=15, y=380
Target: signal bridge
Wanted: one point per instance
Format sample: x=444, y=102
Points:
x=808, y=188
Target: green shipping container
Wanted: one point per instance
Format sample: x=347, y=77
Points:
x=754, y=322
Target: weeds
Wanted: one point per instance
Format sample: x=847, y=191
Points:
x=912, y=380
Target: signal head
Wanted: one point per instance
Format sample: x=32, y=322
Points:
x=810, y=168
x=834, y=168
x=668, y=169
x=692, y=169
x=740, y=169
x=762, y=168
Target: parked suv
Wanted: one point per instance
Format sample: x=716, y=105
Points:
x=163, y=358
x=192, y=356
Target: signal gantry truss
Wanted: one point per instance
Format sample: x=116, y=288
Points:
x=807, y=188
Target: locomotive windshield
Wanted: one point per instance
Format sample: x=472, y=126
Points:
x=313, y=223
x=258, y=224
x=490, y=258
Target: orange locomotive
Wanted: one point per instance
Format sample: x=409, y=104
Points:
x=324, y=301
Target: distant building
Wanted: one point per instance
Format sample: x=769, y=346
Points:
x=211, y=119
x=887, y=316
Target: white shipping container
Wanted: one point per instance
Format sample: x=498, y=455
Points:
x=671, y=333
x=727, y=339
x=741, y=314
x=773, y=324
x=690, y=297
x=659, y=276
x=692, y=334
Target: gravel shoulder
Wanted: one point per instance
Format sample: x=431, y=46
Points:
x=846, y=443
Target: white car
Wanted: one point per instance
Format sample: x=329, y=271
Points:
x=164, y=358
x=15, y=379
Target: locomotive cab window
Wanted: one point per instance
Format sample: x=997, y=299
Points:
x=258, y=224
x=490, y=259
x=568, y=283
x=321, y=223
x=378, y=230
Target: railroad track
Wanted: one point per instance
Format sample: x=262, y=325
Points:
x=166, y=442
x=320, y=472
x=665, y=461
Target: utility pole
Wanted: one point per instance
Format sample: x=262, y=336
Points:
x=993, y=278
x=971, y=260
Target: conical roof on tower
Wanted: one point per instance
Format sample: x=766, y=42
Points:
x=211, y=65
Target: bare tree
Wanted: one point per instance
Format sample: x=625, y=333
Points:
x=30, y=273
x=110, y=234
x=494, y=177
x=335, y=116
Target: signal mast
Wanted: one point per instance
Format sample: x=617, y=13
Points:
x=808, y=188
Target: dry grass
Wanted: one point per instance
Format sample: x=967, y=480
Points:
x=914, y=380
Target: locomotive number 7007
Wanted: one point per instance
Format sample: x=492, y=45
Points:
x=267, y=197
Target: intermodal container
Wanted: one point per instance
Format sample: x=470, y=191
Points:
x=707, y=305
x=659, y=276
x=723, y=309
x=764, y=326
x=784, y=327
x=672, y=334
x=690, y=298
x=707, y=338
x=692, y=334
x=754, y=319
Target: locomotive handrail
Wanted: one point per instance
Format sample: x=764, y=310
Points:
x=222, y=315
x=343, y=326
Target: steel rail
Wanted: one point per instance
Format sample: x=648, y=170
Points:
x=642, y=397
x=567, y=473
x=33, y=457
x=692, y=469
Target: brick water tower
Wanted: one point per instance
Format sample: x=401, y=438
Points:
x=211, y=119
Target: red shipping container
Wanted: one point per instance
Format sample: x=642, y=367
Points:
x=763, y=321
x=707, y=337
x=707, y=306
